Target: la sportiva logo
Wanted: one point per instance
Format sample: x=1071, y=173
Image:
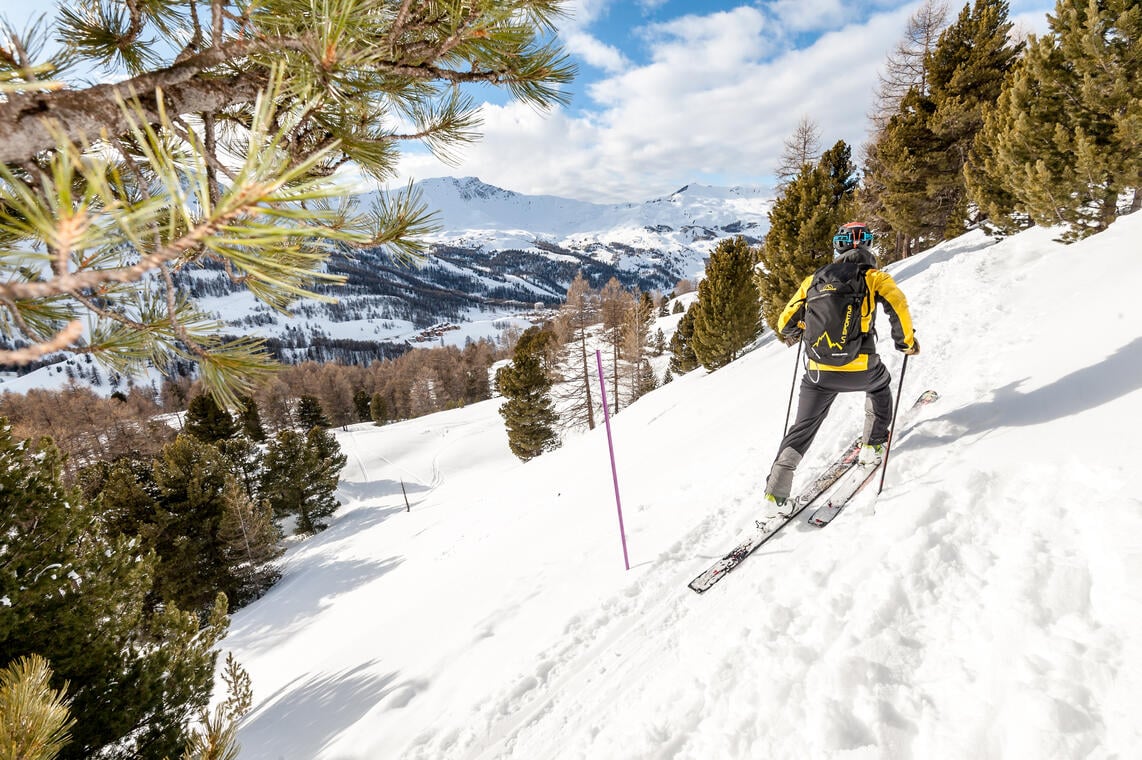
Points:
x=828, y=340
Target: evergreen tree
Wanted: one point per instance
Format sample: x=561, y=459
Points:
x=324, y=462
x=378, y=409
x=919, y=158
x=1064, y=140
x=283, y=479
x=527, y=410
x=207, y=421
x=194, y=483
x=361, y=405
x=310, y=414
x=211, y=131
x=802, y=224
x=244, y=460
x=968, y=68
x=250, y=542
x=682, y=357
x=34, y=718
x=301, y=477
x=251, y=419
x=727, y=315
x=78, y=597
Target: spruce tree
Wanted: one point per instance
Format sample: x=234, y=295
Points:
x=727, y=315
x=802, y=224
x=193, y=482
x=1064, y=139
x=323, y=462
x=378, y=409
x=915, y=168
x=250, y=542
x=283, y=478
x=682, y=357
x=967, y=70
x=527, y=409
x=207, y=421
x=310, y=414
x=79, y=597
x=250, y=419
x=361, y=405
x=301, y=476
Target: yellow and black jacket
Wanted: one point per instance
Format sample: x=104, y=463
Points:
x=882, y=289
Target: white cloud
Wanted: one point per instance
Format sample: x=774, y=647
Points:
x=713, y=104
x=595, y=52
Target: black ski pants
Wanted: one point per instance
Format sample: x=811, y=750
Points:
x=818, y=391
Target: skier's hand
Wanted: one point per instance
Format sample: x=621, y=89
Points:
x=914, y=348
x=791, y=340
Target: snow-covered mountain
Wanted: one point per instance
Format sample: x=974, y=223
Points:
x=985, y=606
x=498, y=253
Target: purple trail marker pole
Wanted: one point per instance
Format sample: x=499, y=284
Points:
x=611, y=449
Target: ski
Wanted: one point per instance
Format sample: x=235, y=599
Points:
x=763, y=531
x=839, y=499
x=848, y=489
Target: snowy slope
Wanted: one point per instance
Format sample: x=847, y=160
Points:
x=986, y=606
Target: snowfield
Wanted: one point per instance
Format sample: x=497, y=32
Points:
x=986, y=605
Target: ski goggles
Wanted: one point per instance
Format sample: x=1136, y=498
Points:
x=851, y=237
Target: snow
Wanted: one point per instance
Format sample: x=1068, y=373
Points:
x=986, y=605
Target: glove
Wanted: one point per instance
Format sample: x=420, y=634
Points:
x=791, y=340
x=915, y=349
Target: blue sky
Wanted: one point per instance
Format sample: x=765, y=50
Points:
x=674, y=91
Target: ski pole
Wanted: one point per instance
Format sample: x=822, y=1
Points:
x=792, y=386
x=892, y=426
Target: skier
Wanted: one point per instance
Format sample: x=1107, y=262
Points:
x=839, y=359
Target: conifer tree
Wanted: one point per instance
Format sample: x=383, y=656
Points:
x=301, y=477
x=378, y=409
x=727, y=314
x=79, y=598
x=361, y=405
x=34, y=718
x=172, y=133
x=802, y=225
x=1064, y=140
x=207, y=421
x=918, y=162
x=527, y=409
x=636, y=345
x=250, y=419
x=193, y=482
x=250, y=545
x=682, y=357
x=310, y=414
x=324, y=462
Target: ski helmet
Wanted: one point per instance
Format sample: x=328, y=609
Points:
x=851, y=235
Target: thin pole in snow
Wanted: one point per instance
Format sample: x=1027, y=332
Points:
x=611, y=449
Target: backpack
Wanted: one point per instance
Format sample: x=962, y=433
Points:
x=834, y=305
